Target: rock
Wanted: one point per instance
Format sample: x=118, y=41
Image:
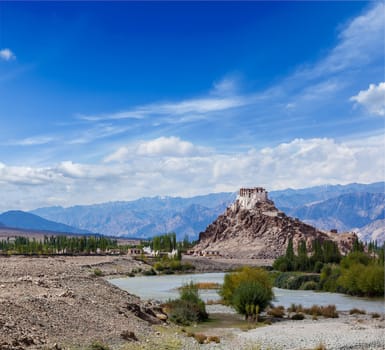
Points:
x=128, y=335
x=162, y=317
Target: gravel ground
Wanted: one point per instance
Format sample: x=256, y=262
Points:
x=59, y=302
x=346, y=332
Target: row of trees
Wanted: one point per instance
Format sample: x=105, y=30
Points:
x=323, y=252
x=164, y=243
x=57, y=245
x=168, y=242
x=359, y=273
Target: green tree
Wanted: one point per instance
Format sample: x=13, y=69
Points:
x=248, y=290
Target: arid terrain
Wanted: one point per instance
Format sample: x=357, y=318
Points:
x=67, y=303
x=59, y=302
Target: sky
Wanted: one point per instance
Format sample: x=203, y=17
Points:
x=116, y=101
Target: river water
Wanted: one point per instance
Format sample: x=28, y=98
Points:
x=165, y=287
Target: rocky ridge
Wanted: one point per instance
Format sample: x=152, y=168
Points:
x=259, y=230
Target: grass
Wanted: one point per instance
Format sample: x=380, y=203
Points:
x=328, y=311
x=222, y=321
x=208, y=285
x=96, y=345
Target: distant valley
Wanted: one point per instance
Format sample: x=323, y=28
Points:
x=343, y=207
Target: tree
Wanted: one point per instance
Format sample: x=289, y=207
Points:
x=248, y=290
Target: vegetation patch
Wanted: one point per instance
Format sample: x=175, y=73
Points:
x=248, y=291
x=277, y=312
x=357, y=311
x=189, y=308
x=360, y=273
x=298, y=317
x=208, y=285
x=297, y=280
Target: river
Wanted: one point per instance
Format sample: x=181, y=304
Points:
x=165, y=287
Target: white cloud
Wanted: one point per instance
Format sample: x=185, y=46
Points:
x=373, y=99
x=168, y=146
x=7, y=55
x=159, y=170
x=161, y=147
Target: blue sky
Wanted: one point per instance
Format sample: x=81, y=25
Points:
x=114, y=101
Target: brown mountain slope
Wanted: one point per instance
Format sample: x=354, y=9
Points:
x=255, y=228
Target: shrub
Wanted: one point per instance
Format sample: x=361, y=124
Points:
x=298, y=317
x=150, y=272
x=295, y=308
x=248, y=290
x=277, y=312
x=189, y=308
x=295, y=280
x=200, y=338
x=213, y=339
x=98, y=272
x=376, y=315
x=357, y=311
x=309, y=285
x=328, y=311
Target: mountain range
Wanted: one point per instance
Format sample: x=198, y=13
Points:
x=23, y=220
x=343, y=207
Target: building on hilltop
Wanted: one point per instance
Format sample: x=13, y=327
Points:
x=248, y=197
x=257, y=193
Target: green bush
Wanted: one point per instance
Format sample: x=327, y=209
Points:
x=189, y=308
x=309, y=285
x=98, y=272
x=248, y=290
x=294, y=280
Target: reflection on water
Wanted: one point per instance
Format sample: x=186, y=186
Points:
x=165, y=287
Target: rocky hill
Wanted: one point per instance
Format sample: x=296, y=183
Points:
x=257, y=229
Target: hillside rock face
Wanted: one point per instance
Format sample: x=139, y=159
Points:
x=255, y=228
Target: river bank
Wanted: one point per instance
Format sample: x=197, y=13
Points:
x=68, y=303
